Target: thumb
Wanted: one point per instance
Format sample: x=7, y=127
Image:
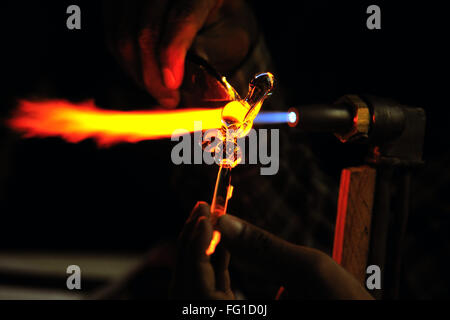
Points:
x=275, y=256
x=309, y=272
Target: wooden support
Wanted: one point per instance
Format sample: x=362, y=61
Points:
x=353, y=223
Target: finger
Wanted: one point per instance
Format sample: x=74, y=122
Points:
x=271, y=254
x=149, y=35
x=182, y=279
x=220, y=261
x=201, y=209
x=185, y=19
x=201, y=238
x=210, y=272
x=199, y=261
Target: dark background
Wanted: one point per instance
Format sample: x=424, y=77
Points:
x=61, y=196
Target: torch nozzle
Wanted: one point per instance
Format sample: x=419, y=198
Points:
x=325, y=118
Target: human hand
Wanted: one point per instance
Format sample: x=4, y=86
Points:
x=197, y=275
x=304, y=272
x=150, y=39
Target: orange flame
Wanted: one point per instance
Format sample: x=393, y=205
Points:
x=76, y=122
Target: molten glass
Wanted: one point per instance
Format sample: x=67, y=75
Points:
x=237, y=121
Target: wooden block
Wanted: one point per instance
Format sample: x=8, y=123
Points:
x=352, y=234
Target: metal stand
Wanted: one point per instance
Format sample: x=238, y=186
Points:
x=374, y=198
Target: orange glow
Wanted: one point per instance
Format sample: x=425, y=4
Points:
x=230, y=192
x=341, y=215
x=279, y=293
x=76, y=122
x=214, y=242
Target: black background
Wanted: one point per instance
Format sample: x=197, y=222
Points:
x=62, y=196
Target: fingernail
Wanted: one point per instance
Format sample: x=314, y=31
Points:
x=201, y=205
x=201, y=208
x=230, y=226
x=169, y=79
